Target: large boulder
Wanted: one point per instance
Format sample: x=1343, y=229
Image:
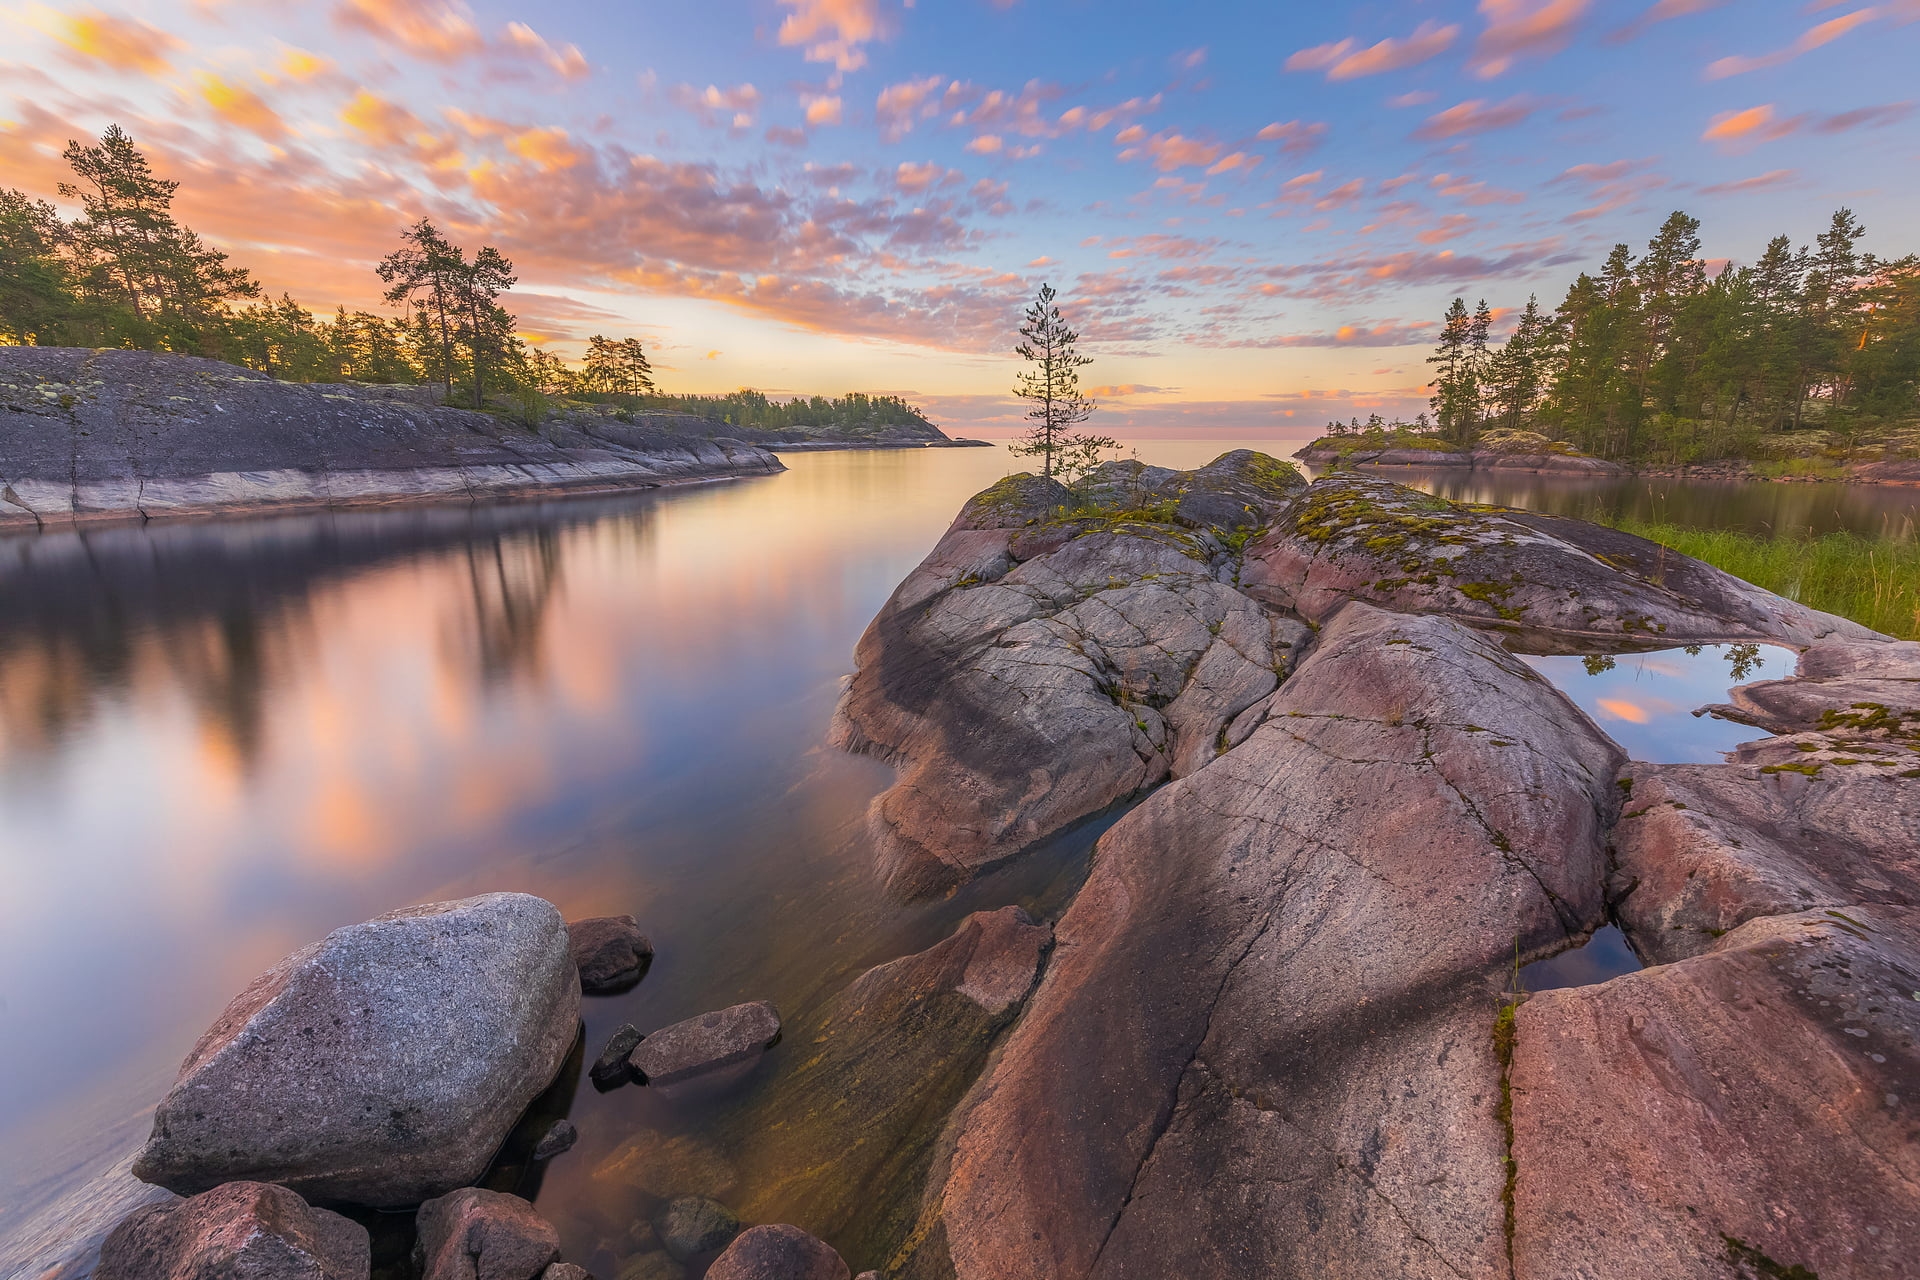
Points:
x=1263, y=1042
x=239, y=1231
x=778, y=1252
x=381, y=1066
x=1746, y=1112
x=474, y=1234
x=1026, y=679
x=1558, y=580
x=692, y=1225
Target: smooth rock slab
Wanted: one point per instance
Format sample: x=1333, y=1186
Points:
x=610, y=952
x=1766, y=1093
x=473, y=1234
x=240, y=1231
x=778, y=1252
x=381, y=1066
x=702, y=1047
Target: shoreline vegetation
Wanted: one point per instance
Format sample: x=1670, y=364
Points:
x=126, y=275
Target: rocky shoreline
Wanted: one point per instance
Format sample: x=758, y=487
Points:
x=90, y=437
x=1278, y=1030
x=1886, y=471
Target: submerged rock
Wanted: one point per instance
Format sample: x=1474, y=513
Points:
x=381, y=1066
x=610, y=952
x=842, y=1139
x=712, y=1048
x=692, y=1225
x=239, y=1231
x=473, y=1234
x=565, y=1271
x=556, y=1140
x=666, y=1165
x=778, y=1252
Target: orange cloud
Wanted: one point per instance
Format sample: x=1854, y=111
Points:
x=438, y=30
x=1621, y=709
x=125, y=44
x=832, y=30
x=823, y=111
x=1761, y=182
x=1171, y=150
x=914, y=178
x=986, y=144
x=1523, y=28
x=240, y=106
x=1238, y=160
x=1662, y=11
x=567, y=62
x=1475, y=116
x=1810, y=39
x=549, y=149
x=1343, y=61
x=1755, y=124
x=298, y=64
x=381, y=122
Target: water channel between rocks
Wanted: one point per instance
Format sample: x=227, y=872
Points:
x=220, y=741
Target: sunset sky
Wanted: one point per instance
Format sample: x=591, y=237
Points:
x=1254, y=213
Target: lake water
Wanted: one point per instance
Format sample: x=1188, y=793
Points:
x=219, y=741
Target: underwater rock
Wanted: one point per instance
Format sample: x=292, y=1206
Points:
x=238, y=1231
x=381, y=1066
x=556, y=1140
x=611, y=1069
x=691, y=1225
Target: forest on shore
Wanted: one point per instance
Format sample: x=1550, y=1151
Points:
x=126, y=273
x=1809, y=353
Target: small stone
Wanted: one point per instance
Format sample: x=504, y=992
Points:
x=473, y=1232
x=651, y=1266
x=714, y=1041
x=610, y=952
x=778, y=1252
x=566, y=1271
x=869, y=1275
x=244, y=1230
x=557, y=1139
x=611, y=1069
x=692, y=1225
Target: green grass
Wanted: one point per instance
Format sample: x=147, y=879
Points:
x=1874, y=581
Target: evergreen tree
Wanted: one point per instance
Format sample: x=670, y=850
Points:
x=1051, y=384
x=428, y=274
x=619, y=368
x=1456, y=389
x=36, y=298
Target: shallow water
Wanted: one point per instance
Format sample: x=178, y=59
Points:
x=1645, y=701
x=219, y=741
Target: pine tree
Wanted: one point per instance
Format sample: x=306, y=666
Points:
x=1456, y=390
x=427, y=273
x=1051, y=383
x=618, y=368
x=36, y=296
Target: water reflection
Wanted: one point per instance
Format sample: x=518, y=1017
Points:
x=1760, y=508
x=1644, y=701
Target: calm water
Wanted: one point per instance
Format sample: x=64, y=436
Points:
x=220, y=741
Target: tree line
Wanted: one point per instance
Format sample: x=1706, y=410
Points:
x=126, y=273
x=1657, y=358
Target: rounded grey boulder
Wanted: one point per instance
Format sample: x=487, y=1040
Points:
x=383, y=1065
x=778, y=1252
x=240, y=1231
x=707, y=1046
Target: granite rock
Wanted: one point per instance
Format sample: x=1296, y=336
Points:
x=473, y=1234
x=610, y=952
x=778, y=1252
x=708, y=1046
x=238, y=1231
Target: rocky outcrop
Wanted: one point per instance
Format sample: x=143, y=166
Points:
x=610, y=952
x=239, y=1231
x=1053, y=656
x=1262, y=1042
x=1556, y=580
x=93, y=435
x=1746, y=1112
x=473, y=1234
x=778, y=1252
x=714, y=1048
x=1495, y=451
x=381, y=1066
x=1278, y=1032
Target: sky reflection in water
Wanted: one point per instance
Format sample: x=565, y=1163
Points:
x=1644, y=701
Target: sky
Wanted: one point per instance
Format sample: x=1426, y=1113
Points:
x=1254, y=214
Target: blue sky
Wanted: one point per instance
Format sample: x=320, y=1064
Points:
x=1255, y=213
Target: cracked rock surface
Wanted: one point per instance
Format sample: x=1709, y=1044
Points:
x=109, y=434
x=1276, y=1034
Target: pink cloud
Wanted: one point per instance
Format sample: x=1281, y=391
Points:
x=437, y=30
x=1734, y=129
x=1810, y=39
x=120, y=42
x=1760, y=182
x=734, y=107
x=1476, y=115
x=1523, y=29
x=833, y=30
x=1662, y=11
x=1392, y=333
x=1170, y=150
x=1295, y=137
x=1345, y=61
